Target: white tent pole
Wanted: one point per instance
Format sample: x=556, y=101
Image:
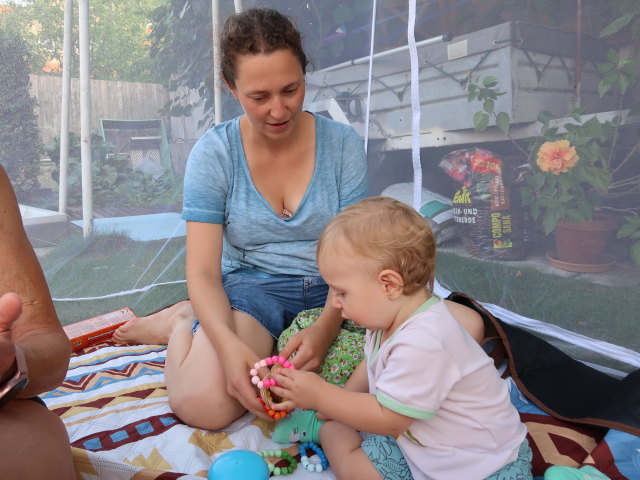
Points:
x=368, y=114
x=85, y=119
x=65, y=108
x=238, y=5
x=217, y=94
x=415, y=107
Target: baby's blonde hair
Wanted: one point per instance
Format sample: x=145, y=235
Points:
x=389, y=233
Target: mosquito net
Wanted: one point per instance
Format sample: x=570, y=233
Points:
x=501, y=121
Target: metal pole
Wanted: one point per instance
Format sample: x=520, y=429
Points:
x=386, y=53
x=85, y=119
x=217, y=94
x=238, y=5
x=65, y=108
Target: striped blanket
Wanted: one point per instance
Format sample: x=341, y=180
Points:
x=115, y=407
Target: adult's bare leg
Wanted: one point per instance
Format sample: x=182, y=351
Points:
x=195, y=380
x=33, y=443
x=154, y=329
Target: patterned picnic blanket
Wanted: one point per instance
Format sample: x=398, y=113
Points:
x=115, y=407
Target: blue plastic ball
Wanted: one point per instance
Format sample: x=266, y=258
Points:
x=239, y=464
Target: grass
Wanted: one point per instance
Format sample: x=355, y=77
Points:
x=109, y=263
x=597, y=311
x=112, y=262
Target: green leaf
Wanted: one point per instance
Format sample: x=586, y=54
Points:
x=483, y=94
x=623, y=83
x=480, y=121
x=544, y=116
x=503, y=121
x=613, y=56
x=635, y=253
x=539, y=179
x=626, y=231
x=606, y=82
x=618, y=24
x=527, y=196
x=488, y=105
x=550, y=220
x=490, y=82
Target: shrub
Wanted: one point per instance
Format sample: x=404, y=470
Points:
x=114, y=182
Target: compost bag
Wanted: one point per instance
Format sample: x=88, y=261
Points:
x=486, y=208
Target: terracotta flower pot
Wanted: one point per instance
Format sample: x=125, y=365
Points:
x=584, y=242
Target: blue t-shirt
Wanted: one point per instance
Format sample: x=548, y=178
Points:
x=218, y=189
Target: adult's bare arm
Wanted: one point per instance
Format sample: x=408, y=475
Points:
x=211, y=306
x=36, y=329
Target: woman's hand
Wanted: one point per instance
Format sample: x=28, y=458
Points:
x=300, y=389
x=237, y=359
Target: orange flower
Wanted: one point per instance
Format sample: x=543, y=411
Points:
x=557, y=157
x=52, y=66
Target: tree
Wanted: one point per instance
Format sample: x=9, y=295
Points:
x=19, y=133
x=119, y=36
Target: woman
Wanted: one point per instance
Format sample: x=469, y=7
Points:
x=259, y=190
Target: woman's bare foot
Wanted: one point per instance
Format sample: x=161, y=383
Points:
x=154, y=329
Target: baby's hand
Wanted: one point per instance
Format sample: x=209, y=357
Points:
x=299, y=389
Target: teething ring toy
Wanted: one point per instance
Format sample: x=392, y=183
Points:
x=279, y=454
x=267, y=397
x=304, y=457
x=275, y=363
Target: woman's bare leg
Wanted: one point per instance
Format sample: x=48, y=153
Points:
x=154, y=329
x=195, y=380
x=341, y=444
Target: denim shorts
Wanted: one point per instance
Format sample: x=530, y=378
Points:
x=273, y=300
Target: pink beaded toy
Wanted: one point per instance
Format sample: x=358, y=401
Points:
x=268, y=398
x=274, y=362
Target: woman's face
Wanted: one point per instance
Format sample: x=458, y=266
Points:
x=270, y=88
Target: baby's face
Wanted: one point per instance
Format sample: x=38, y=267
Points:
x=353, y=287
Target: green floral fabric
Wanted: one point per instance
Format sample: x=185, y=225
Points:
x=344, y=355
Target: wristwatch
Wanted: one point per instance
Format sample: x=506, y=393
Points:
x=17, y=381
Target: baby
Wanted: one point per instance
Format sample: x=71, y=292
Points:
x=428, y=397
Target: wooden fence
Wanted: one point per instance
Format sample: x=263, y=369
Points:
x=115, y=101
x=109, y=99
